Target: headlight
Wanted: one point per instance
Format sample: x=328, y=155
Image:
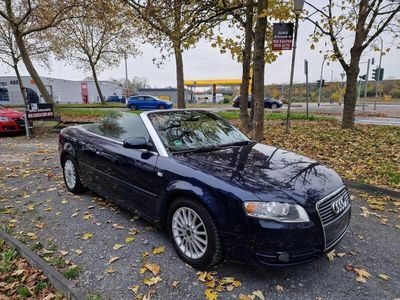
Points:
x=281, y=212
x=4, y=119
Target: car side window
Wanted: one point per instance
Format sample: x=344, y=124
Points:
x=119, y=126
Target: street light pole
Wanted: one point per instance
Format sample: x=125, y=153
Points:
x=366, y=85
x=306, y=72
x=378, y=73
x=126, y=75
x=320, y=82
x=298, y=8
x=342, y=86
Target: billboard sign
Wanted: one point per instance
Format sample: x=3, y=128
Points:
x=282, y=36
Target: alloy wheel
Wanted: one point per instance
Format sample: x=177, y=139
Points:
x=70, y=174
x=189, y=233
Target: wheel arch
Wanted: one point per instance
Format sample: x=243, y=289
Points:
x=68, y=149
x=203, y=197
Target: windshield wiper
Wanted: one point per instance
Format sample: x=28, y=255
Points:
x=241, y=143
x=196, y=150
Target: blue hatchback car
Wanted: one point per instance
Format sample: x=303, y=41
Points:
x=144, y=102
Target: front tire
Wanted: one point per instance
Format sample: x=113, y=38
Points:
x=71, y=175
x=274, y=106
x=161, y=106
x=194, y=234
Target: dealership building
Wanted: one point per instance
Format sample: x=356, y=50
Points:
x=62, y=90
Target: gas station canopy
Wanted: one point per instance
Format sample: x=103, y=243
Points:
x=212, y=82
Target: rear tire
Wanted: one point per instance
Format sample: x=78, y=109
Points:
x=71, y=175
x=133, y=107
x=194, y=234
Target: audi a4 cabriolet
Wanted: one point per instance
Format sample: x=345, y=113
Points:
x=216, y=193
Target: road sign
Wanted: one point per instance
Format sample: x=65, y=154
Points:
x=282, y=36
x=40, y=111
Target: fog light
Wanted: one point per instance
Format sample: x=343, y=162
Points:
x=284, y=257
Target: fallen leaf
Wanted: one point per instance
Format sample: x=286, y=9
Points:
x=384, y=276
x=259, y=294
x=110, y=270
x=32, y=236
x=331, y=255
x=134, y=289
x=175, y=284
x=118, y=226
x=78, y=252
x=117, y=246
x=210, y=294
x=158, y=250
x=340, y=254
x=64, y=253
x=246, y=297
x=152, y=280
x=349, y=267
x=279, y=288
x=129, y=239
x=362, y=275
x=112, y=259
x=153, y=268
x=74, y=214
x=87, y=235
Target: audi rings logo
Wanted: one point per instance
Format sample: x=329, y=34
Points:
x=339, y=205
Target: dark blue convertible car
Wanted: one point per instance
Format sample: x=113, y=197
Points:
x=217, y=194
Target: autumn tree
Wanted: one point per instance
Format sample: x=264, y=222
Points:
x=30, y=17
x=96, y=40
x=11, y=56
x=175, y=26
x=253, y=48
x=364, y=20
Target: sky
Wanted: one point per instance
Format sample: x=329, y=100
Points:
x=205, y=62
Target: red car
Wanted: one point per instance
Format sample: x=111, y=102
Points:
x=11, y=120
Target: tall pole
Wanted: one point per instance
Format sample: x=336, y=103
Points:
x=126, y=75
x=359, y=91
x=306, y=72
x=378, y=74
x=366, y=85
x=292, y=72
x=320, y=82
x=342, y=86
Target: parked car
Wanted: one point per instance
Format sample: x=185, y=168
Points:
x=144, y=102
x=11, y=120
x=117, y=99
x=268, y=102
x=217, y=194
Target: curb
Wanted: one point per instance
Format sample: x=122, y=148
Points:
x=371, y=188
x=59, y=281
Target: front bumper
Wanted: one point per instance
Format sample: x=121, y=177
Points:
x=12, y=126
x=275, y=244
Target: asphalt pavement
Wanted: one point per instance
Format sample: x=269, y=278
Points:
x=90, y=232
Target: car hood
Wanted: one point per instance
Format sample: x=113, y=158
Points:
x=270, y=173
x=12, y=114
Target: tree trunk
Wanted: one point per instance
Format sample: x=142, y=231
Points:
x=96, y=81
x=350, y=95
x=31, y=69
x=179, y=76
x=21, y=86
x=259, y=67
x=244, y=87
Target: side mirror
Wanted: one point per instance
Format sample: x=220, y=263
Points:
x=139, y=142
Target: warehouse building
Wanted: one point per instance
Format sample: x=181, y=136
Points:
x=170, y=94
x=62, y=90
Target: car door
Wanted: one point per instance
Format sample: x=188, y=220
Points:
x=129, y=176
x=151, y=103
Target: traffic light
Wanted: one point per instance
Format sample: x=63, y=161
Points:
x=363, y=77
x=375, y=74
x=318, y=81
x=323, y=83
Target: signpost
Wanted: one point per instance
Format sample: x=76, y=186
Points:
x=37, y=111
x=282, y=36
x=306, y=73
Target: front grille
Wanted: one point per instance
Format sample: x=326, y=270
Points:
x=334, y=212
x=20, y=122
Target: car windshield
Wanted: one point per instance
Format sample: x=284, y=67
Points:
x=187, y=131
